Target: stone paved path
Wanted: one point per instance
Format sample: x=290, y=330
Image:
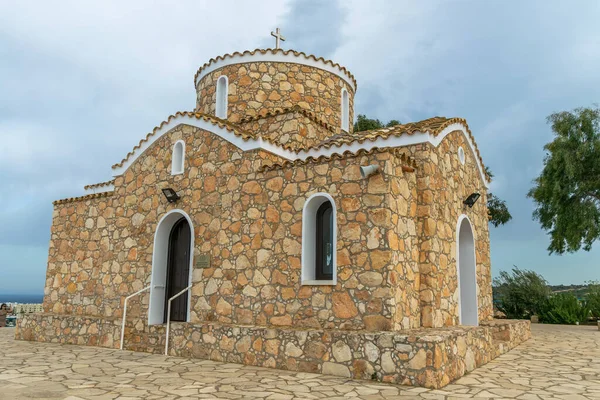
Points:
x=559, y=362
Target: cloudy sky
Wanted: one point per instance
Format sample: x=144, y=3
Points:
x=81, y=83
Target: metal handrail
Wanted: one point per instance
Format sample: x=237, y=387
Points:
x=125, y=313
x=169, y=317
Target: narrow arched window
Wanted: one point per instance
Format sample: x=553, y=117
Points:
x=221, y=105
x=319, y=233
x=178, y=158
x=324, y=248
x=345, y=110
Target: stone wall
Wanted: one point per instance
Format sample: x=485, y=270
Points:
x=403, y=245
x=430, y=358
x=507, y=335
x=396, y=249
x=249, y=221
x=293, y=128
x=81, y=277
x=443, y=183
x=256, y=88
x=70, y=329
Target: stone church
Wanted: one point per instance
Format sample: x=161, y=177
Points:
x=282, y=238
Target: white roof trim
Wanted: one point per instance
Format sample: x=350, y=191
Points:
x=254, y=144
x=100, y=189
x=244, y=145
x=276, y=57
x=400, y=141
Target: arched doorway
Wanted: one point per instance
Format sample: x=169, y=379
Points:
x=467, y=274
x=171, y=267
x=178, y=269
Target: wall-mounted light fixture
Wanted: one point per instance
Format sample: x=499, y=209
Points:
x=473, y=197
x=369, y=170
x=171, y=195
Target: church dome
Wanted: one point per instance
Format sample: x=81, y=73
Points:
x=255, y=83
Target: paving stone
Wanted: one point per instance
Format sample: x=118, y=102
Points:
x=559, y=362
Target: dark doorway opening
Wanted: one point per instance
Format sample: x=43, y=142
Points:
x=178, y=270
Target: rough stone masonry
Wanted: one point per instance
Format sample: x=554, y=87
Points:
x=403, y=284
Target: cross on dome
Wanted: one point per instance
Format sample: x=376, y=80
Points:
x=278, y=36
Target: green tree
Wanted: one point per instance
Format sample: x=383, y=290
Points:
x=567, y=192
x=499, y=214
x=366, y=124
x=497, y=209
x=521, y=293
x=363, y=123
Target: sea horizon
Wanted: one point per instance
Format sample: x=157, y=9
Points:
x=21, y=298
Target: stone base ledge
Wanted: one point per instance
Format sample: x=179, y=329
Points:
x=69, y=329
x=426, y=357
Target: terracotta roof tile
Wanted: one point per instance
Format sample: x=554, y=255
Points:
x=279, y=111
x=236, y=130
x=433, y=125
x=410, y=162
x=274, y=51
x=98, y=185
x=82, y=198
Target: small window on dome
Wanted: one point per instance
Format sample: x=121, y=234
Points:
x=221, y=105
x=345, y=110
x=461, y=155
x=178, y=158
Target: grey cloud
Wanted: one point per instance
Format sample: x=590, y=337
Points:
x=504, y=67
x=312, y=26
x=93, y=90
x=81, y=84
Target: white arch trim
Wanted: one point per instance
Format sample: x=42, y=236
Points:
x=160, y=253
x=244, y=145
x=259, y=143
x=309, y=212
x=276, y=57
x=459, y=286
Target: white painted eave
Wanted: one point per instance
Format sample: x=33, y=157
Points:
x=260, y=144
x=401, y=141
x=100, y=189
x=279, y=56
x=238, y=141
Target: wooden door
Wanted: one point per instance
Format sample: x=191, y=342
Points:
x=178, y=269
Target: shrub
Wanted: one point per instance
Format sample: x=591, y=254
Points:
x=564, y=308
x=592, y=299
x=521, y=293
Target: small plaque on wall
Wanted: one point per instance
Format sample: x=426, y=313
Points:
x=203, y=261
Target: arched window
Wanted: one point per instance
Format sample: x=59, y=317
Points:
x=178, y=158
x=222, y=89
x=319, y=240
x=324, y=245
x=345, y=110
x=461, y=155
